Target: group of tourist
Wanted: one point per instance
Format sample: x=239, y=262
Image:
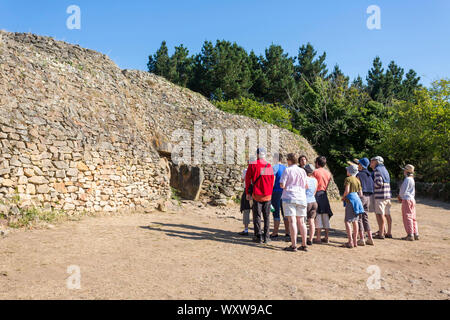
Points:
x=298, y=193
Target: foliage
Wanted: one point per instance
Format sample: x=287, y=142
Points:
x=418, y=132
x=390, y=114
x=270, y=113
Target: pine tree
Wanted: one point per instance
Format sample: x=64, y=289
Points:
x=278, y=68
x=159, y=62
x=308, y=67
x=375, y=80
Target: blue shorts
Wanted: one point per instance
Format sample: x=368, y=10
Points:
x=276, y=203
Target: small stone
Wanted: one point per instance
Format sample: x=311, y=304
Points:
x=23, y=180
x=61, y=164
x=72, y=172
x=7, y=183
x=38, y=180
x=61, y=174
x=43, y=189
x=28, y=172
x=60, y=187
x=81, y=166
x=31, y=189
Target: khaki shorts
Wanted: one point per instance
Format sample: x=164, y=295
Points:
x=383, y=206
x=294, y=210
x=323, y=221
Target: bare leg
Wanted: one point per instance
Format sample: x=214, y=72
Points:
x=380, y=220
x=348, y=228
x=286, y=225
x=293, y=231
x=326, y=233
x=312, y=229
x=389, y=224
x=302, y=228
x=355, y=234
x=276, y=227
x=318, y=234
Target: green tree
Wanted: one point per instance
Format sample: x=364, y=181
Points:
x=180, y=66
x=159, y=62
x=419, y=133
x=278, y=69
x=375, y=80
x=309, y=67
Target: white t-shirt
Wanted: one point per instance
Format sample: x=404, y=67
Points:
x=294, y=180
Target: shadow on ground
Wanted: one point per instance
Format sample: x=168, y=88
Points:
x=191, y=232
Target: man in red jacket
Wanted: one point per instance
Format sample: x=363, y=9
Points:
x=260, y=175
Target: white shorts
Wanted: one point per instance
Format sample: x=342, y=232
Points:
x=323, y=221
x=383, y=206
x=294, y=210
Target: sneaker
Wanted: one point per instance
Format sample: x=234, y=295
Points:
x=267, y=240
x=274, y=236
x=256, y=239
x=325, y=240
x=416, y=237
x=361, y=243
x=408, y=238
x=243, y=233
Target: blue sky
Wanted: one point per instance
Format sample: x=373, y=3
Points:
x=414, y=33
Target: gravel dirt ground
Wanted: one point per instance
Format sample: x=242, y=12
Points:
x=194, y=252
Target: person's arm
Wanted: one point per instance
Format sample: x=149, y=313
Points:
x=378, y=180
x=248, y=176
x=346, y=191
x=283, y=180
x=403, y=189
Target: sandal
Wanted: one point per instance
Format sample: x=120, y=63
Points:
x=325, y=240
x=317, y=241
x=389, y=236
x=378, y=237
x=303, y=248
x=291, y=249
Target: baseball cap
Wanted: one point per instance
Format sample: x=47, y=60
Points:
x=378, y=158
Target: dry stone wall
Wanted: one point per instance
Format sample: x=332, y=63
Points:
x=79, y=133
x=69, y=136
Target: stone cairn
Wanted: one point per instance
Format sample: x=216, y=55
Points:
x=79, y=134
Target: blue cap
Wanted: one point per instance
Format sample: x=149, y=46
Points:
x=364, y=162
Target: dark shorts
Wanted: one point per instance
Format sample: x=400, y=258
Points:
x=323, y=203
x=311, y=210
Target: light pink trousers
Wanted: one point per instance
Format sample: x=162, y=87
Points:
x=409, y=216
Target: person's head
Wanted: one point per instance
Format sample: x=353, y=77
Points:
x=261, y=153
x=309, y=168
x=277, y=158
x=375, y=161
x=291, y=159
x=321, y=162
x=352, y=170
x=302, y=161
x=408, y=170
x=252, y=160
x=363, y=164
